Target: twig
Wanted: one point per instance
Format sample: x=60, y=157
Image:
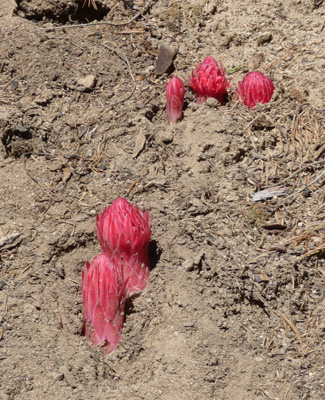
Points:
x=301, y=169
x=90, y=3
x=285, y=319
x=137, y=180
x=306, y=186
x=24, y=270
x=258, y=257
x=9, y=239
x=29, y=175
x=130, y=71
x=313, y=251
x=136, y=16
x=279, y=314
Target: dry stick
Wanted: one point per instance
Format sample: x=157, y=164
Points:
x=27, y=173
x=30, y=176
x=259, y=256
x=301, y=169
x=9, y=239
x=303, y=188
x=130, y=71
x=137, y=180
x=24, y=270
x=279, y=314
x=285, y=319
x=313, y=251
x=137, y=15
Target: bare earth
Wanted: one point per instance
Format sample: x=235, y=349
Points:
x=235, y=307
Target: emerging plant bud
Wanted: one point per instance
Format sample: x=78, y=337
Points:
x=209, y=80
x=175, y=92
x=103, y=297
x=124, y=233
x=255, y=88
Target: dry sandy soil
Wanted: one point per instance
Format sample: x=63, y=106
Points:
x=235, y=306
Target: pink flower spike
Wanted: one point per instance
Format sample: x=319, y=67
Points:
x=175, y=92
x=103, y=297
x=124, y=233
x=255, y=88
x=209, y=80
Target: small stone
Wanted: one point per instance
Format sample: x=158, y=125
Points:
x=139, y=144
x=87, y=83
x=29, y=309
x=14, y=85
x=182, y=48
x=68, y=377
x=188, y=265
x=44, y=98
x=166, y=137
x=254, y=63
x=6, y=327
x=56, y=376
x=165, y=58
x=212, y=102
x=3, y=284
x=198, y=258
x=265, y=38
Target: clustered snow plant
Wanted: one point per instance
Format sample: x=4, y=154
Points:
x=121, y=269
x=209, y=80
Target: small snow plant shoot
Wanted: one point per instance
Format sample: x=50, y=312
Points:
x=255, y=88
x=209, y=80
x=103, y=297
x=124, y=233
x=175, y=92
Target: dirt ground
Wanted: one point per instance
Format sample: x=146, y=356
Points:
x=235, y=306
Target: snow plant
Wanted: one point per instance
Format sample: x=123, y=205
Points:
x=123, y=232
x=175, y=92
x=255, y=88
x=209, y=80
x=103, y=297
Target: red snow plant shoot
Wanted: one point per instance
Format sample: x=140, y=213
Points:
x=124, y=233
x=175, y=92
x=255, y=88
x=209, y=80
x=103, y=296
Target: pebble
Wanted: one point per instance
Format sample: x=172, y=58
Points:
x=87, y=83
x=188, y=265
x=68, y=377
x=165, y=58
x=212, y=102
x=56, y=376
x=166, y=136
